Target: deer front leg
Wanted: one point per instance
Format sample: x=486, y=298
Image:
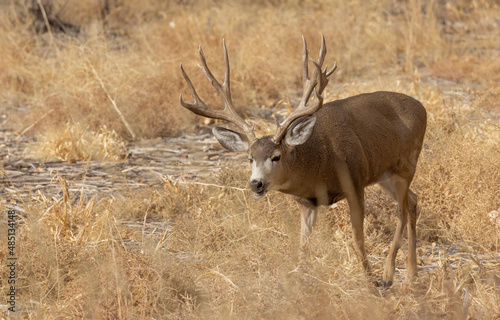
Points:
x=308, y=220
x=308, y=214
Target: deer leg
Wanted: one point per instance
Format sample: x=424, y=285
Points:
x=308, y=214
x=412, y=234
x=398, y=188
x=356, y=207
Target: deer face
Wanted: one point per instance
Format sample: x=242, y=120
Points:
x=272, y=163
x=266, y=159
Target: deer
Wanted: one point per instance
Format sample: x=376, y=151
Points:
x=325, y=152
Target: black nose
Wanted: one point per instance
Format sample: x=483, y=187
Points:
x=256, y=185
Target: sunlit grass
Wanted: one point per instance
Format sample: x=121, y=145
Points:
x=214, y=251
x=72, y=142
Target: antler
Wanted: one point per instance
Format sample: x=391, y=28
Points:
x=228, y=113
x=316, y=83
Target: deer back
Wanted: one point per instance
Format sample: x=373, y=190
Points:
x=362, y=137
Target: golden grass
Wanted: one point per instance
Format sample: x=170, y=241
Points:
x=229, y=255
x=136, y=51
x=72, y=143
x=216, y=252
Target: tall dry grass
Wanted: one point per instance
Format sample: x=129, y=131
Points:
x=215, y=251
x=228, y=255
x=135, y=50
x=72, y=142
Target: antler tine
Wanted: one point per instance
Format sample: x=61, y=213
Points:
x=208, y=74
x=310, y=84
x=200, y=108
x=322, y=51
x=332, y=70
x=226, y=83
x=317, y=83
x=318, y=79
x=305, y=63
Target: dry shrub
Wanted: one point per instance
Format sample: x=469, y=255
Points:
x=79, y=221
x=74, y=143
x=73, y=263
x=62, y=280
x=459, y=180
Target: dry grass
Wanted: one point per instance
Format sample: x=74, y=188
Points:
x=216, y=252
x=73, y=143
x=136, y=50
x=229, y=255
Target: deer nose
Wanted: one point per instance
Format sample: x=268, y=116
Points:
x=256, y=185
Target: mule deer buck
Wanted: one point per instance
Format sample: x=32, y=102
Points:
x=322, y=153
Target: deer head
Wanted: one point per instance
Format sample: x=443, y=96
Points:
x=270, y=156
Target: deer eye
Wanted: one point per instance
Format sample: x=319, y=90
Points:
x=276, y=158
x=250, y=160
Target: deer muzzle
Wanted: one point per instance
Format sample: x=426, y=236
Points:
x=258, y=188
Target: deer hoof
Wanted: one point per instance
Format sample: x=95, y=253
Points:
x=384, y=284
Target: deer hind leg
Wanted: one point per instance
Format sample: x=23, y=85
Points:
x=412, y=234
x=398, y=187
x=356, y=206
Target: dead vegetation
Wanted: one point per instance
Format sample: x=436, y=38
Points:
x=208, y=249
x=72, y=142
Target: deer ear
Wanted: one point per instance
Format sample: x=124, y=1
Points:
x=231, y=140
x=300, y=131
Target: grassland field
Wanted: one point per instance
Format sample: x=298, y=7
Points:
x=83, y=80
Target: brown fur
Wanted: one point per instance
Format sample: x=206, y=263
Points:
x=357, y=141
x=323, y=153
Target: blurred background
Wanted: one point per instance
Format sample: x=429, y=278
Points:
x=63, y=61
